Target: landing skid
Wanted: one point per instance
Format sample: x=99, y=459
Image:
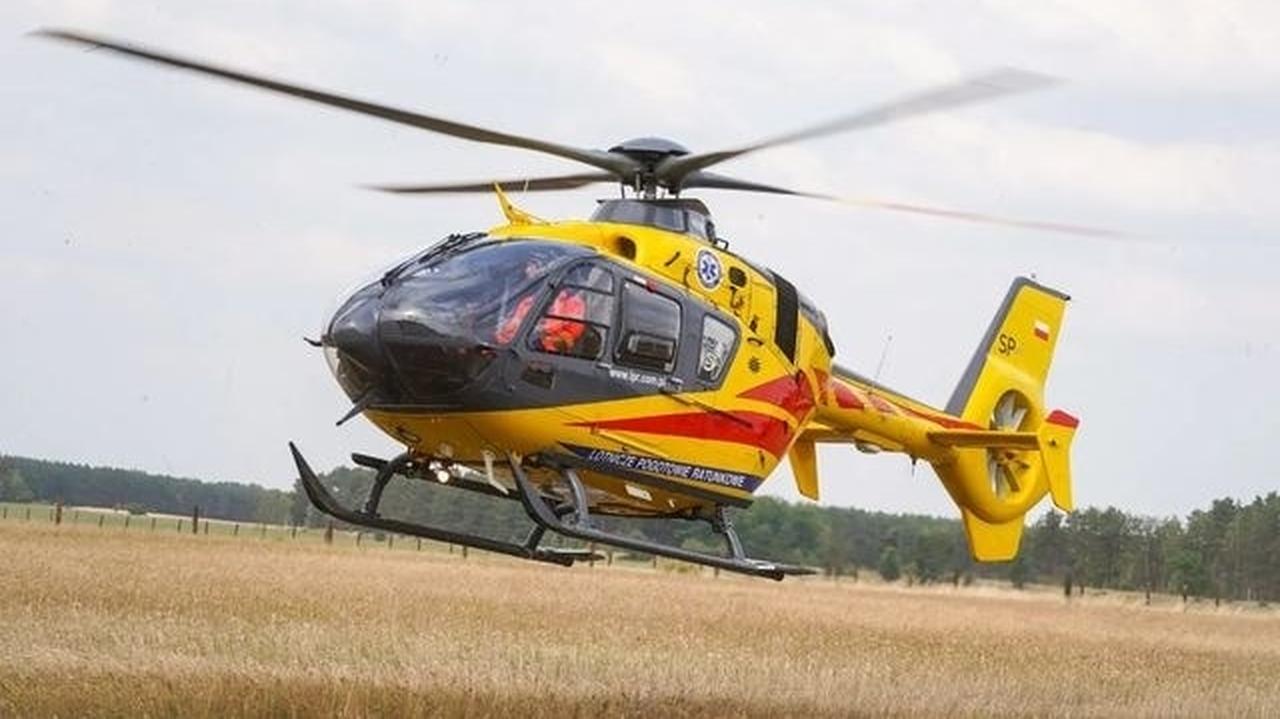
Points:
x=577, y=524
x=368, y=517
x=570, y=518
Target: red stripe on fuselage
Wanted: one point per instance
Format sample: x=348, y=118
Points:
x=845, y=398
x=881, y=404
x=751, y=428
x=791, y=393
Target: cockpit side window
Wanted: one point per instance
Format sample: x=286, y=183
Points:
x=650, y=329
x=576, y=322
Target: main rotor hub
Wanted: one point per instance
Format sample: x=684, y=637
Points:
x=649, y=149
x=648, y=153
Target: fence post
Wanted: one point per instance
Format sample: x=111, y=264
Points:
x=179, y=525
x=153, y=524
x=328, y=533
x=75, y=516
x=206, y=527
x=391, y=540
x=262, y=531
x=127, y=517
x=235, y=531
x=57, y=517
x=359, y=536
x=195, y=519
x=419, y=544
x=592, y=548
x=6, y=512
x=464, y=551
x=101, y=519
x=293, y=531
x=608, y=557
x=28, y=519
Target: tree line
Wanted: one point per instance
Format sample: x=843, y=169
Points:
x=1228, y=551
x=34, y=480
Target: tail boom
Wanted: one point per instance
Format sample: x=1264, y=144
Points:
x=995, y=448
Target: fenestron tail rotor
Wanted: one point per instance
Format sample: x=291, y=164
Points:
x=647, y=165
x=1005, y=466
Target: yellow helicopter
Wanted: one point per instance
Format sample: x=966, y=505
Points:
x=632, y=365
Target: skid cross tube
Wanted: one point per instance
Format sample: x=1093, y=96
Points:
x=377, y=463
x=325, y=502
x=380, y=480
x=577, y=524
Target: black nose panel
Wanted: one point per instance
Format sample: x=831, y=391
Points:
x=354, y=331
x=383, y=341
x=429, y=364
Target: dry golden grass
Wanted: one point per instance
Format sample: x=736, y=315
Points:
x=96, y=622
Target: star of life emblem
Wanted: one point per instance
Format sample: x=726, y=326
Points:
x=709, y=272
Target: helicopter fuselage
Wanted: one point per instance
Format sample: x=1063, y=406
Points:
x=674, y=374
x=664, y=380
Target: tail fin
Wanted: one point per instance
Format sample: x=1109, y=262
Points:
x=1015, y=351
x=1021, y=452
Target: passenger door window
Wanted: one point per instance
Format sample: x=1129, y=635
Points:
x=650, y=329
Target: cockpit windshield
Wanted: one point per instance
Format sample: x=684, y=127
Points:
x=473, y=292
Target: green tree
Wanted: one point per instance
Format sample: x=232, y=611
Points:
x=1049, y=549
x=889, y=567
x=1020, y=570
x=13, y=488
x=1188, y=574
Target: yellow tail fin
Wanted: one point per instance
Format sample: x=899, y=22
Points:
x=1016, y=452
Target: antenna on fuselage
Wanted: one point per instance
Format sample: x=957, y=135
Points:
x=884, y=353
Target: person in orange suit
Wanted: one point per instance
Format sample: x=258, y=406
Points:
x=558, y=332
x=563, y=327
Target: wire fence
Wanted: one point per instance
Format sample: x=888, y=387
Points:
x=333, y=534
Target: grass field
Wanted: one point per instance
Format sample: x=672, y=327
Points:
x=138, y=623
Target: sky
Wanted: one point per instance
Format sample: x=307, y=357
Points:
x=167, y=240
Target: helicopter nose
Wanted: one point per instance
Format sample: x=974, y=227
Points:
x=396, y=344
x=356, y=358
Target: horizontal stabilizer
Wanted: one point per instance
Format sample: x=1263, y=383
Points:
x=993, y=439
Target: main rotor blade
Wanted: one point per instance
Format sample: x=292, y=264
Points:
x=618, y=164
x=722, y=182
x=1006, y=81
x=532, y=184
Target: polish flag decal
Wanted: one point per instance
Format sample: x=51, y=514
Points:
x=1042, y=330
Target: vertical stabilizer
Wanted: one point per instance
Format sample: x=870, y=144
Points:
x=1017, y=451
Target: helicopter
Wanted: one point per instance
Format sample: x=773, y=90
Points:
x=632, y=365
